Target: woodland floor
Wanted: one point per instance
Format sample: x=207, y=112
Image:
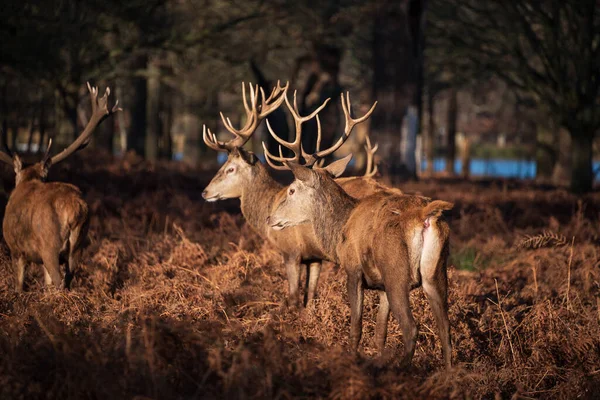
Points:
x=177, y=298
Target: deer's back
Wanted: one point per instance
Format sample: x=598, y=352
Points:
x=360, y=186
x=39, y=217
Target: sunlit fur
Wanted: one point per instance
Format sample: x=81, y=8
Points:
x=385, y=241
x=243, y=176
x=43, y=222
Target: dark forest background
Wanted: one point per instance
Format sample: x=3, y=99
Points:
x=454, y=79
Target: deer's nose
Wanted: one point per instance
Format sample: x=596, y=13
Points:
x=204, y=193
x=268, y=220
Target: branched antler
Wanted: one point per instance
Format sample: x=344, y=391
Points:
x=296, y=146
x=100, y=112
x=254, y=116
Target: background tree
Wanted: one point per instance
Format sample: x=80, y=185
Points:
x=547, y=49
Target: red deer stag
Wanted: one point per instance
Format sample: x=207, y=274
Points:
x=244, y=177
x=45, y=221
x=384, y=241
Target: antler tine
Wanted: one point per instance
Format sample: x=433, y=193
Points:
x=6, y=155
x=296, y=145
x=250, y=112
x=350, y=123
x=47, y=153
x=253, y=116
x=100, y=112
x=270, y=157
x=371, y=168
x=210, y=140
x=268, y=105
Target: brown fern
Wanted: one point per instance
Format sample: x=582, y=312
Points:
x=545, y=239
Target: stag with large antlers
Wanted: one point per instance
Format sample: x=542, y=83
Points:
x=387, y=242
x=243, y=176
x=47, y=221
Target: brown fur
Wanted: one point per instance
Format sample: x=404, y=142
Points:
x=385, y=242
x=43, y=222
x=362, y=186
x=258, y=192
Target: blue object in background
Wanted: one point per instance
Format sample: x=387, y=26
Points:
x=495, y=168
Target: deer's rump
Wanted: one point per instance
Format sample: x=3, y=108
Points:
x=383, y=231
x=40, y=218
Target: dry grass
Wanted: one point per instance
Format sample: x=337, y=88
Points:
x=180, y=299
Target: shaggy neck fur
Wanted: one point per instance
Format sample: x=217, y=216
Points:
x=257, y=198
x=333, y=207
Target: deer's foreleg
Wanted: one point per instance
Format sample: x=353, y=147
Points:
x=355, y=297
x=292, y=267
x=314, y=270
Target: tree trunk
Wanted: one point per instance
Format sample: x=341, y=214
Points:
x=70, y=103
x=582, y=177
x=30, y=132
x=153, y=127
x=451, y=131
x=546, y=152
x=137, y=138
x=322, y=83
x=277, y=119
x=395, y=49
x=42, y=129
x=104, y=137
x=429, y=134
x=166, y=120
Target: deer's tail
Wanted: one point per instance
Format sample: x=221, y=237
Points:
x=435, y=209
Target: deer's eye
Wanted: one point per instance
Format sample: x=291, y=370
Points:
x=292, y=191
x=229, y=170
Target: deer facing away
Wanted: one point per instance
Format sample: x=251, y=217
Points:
x=243, y=176
x=43, y=220
x=388, y=242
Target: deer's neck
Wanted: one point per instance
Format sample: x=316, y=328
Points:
x=257, y=199
x=335, y=207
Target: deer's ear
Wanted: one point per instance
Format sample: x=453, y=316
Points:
x=17, y=163
x=300, y=172
x=337, y=168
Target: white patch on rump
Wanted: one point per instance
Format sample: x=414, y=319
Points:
x=432, y=248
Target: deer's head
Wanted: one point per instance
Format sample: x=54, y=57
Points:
x=307, y=196
x=229, y=181
x=241, y=165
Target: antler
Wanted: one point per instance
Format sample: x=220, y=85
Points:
x=6, y=155
x=296, y=146
x=254, y=116
x=371, y=169
x=100, y=112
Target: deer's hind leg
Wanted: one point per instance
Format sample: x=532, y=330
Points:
x=435, y=286
x=398, y=291
x=51, y=264
x=76, y=241
x=19, y=268
x=383, y=316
